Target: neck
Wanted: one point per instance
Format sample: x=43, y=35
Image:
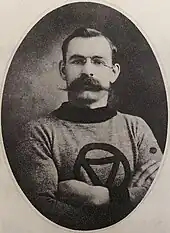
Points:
x=84, y=104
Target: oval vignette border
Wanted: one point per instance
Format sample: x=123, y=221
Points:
x=165, y=85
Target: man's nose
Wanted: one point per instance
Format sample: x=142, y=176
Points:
x=88, y=67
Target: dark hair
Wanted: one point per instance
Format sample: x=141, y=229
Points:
x=85, y=33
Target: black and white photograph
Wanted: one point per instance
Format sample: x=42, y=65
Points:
x=84, y=116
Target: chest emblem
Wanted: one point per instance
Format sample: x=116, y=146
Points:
x=117, y=159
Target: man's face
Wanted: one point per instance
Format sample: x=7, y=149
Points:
x=88, y=68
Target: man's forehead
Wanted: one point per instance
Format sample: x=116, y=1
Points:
x=92, y=46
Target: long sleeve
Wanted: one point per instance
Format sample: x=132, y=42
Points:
x=37, y=176
x=148, y=152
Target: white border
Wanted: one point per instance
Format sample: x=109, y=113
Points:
x=11, y=201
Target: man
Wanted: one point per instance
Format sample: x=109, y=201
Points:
x=86, y=165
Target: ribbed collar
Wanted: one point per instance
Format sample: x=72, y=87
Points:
x=72, y=113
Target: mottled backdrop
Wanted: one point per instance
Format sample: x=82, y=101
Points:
x=33, y=81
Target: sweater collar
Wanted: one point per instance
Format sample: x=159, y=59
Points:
x=72, y=113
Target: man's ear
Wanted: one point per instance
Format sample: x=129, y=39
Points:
x=116, y=71
x=62, y=69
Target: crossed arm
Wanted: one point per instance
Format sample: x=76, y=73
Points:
x=78, y=193
x=38, y=176
x=63, y=202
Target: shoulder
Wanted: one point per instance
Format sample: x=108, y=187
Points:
x=131, y=119
x=135, y=124
x=42, y=125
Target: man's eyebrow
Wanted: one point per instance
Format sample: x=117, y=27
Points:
x=99, y=57
x=76, y=56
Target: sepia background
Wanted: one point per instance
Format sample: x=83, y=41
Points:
x=16, y=214
x=32, y=86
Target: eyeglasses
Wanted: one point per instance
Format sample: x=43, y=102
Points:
x=81, y=60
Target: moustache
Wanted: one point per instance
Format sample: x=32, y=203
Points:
x=85, y=82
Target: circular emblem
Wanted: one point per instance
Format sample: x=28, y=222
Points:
x=117, y=158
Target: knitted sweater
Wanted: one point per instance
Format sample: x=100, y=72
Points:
x=50, y=150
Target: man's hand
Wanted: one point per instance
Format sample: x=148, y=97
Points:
x=78, y=193
x=145, y=175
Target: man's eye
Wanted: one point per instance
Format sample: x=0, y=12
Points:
x=98, y=62
x=78, y=62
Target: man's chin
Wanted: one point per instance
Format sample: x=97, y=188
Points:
x=90, y=96
x=89, y=93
